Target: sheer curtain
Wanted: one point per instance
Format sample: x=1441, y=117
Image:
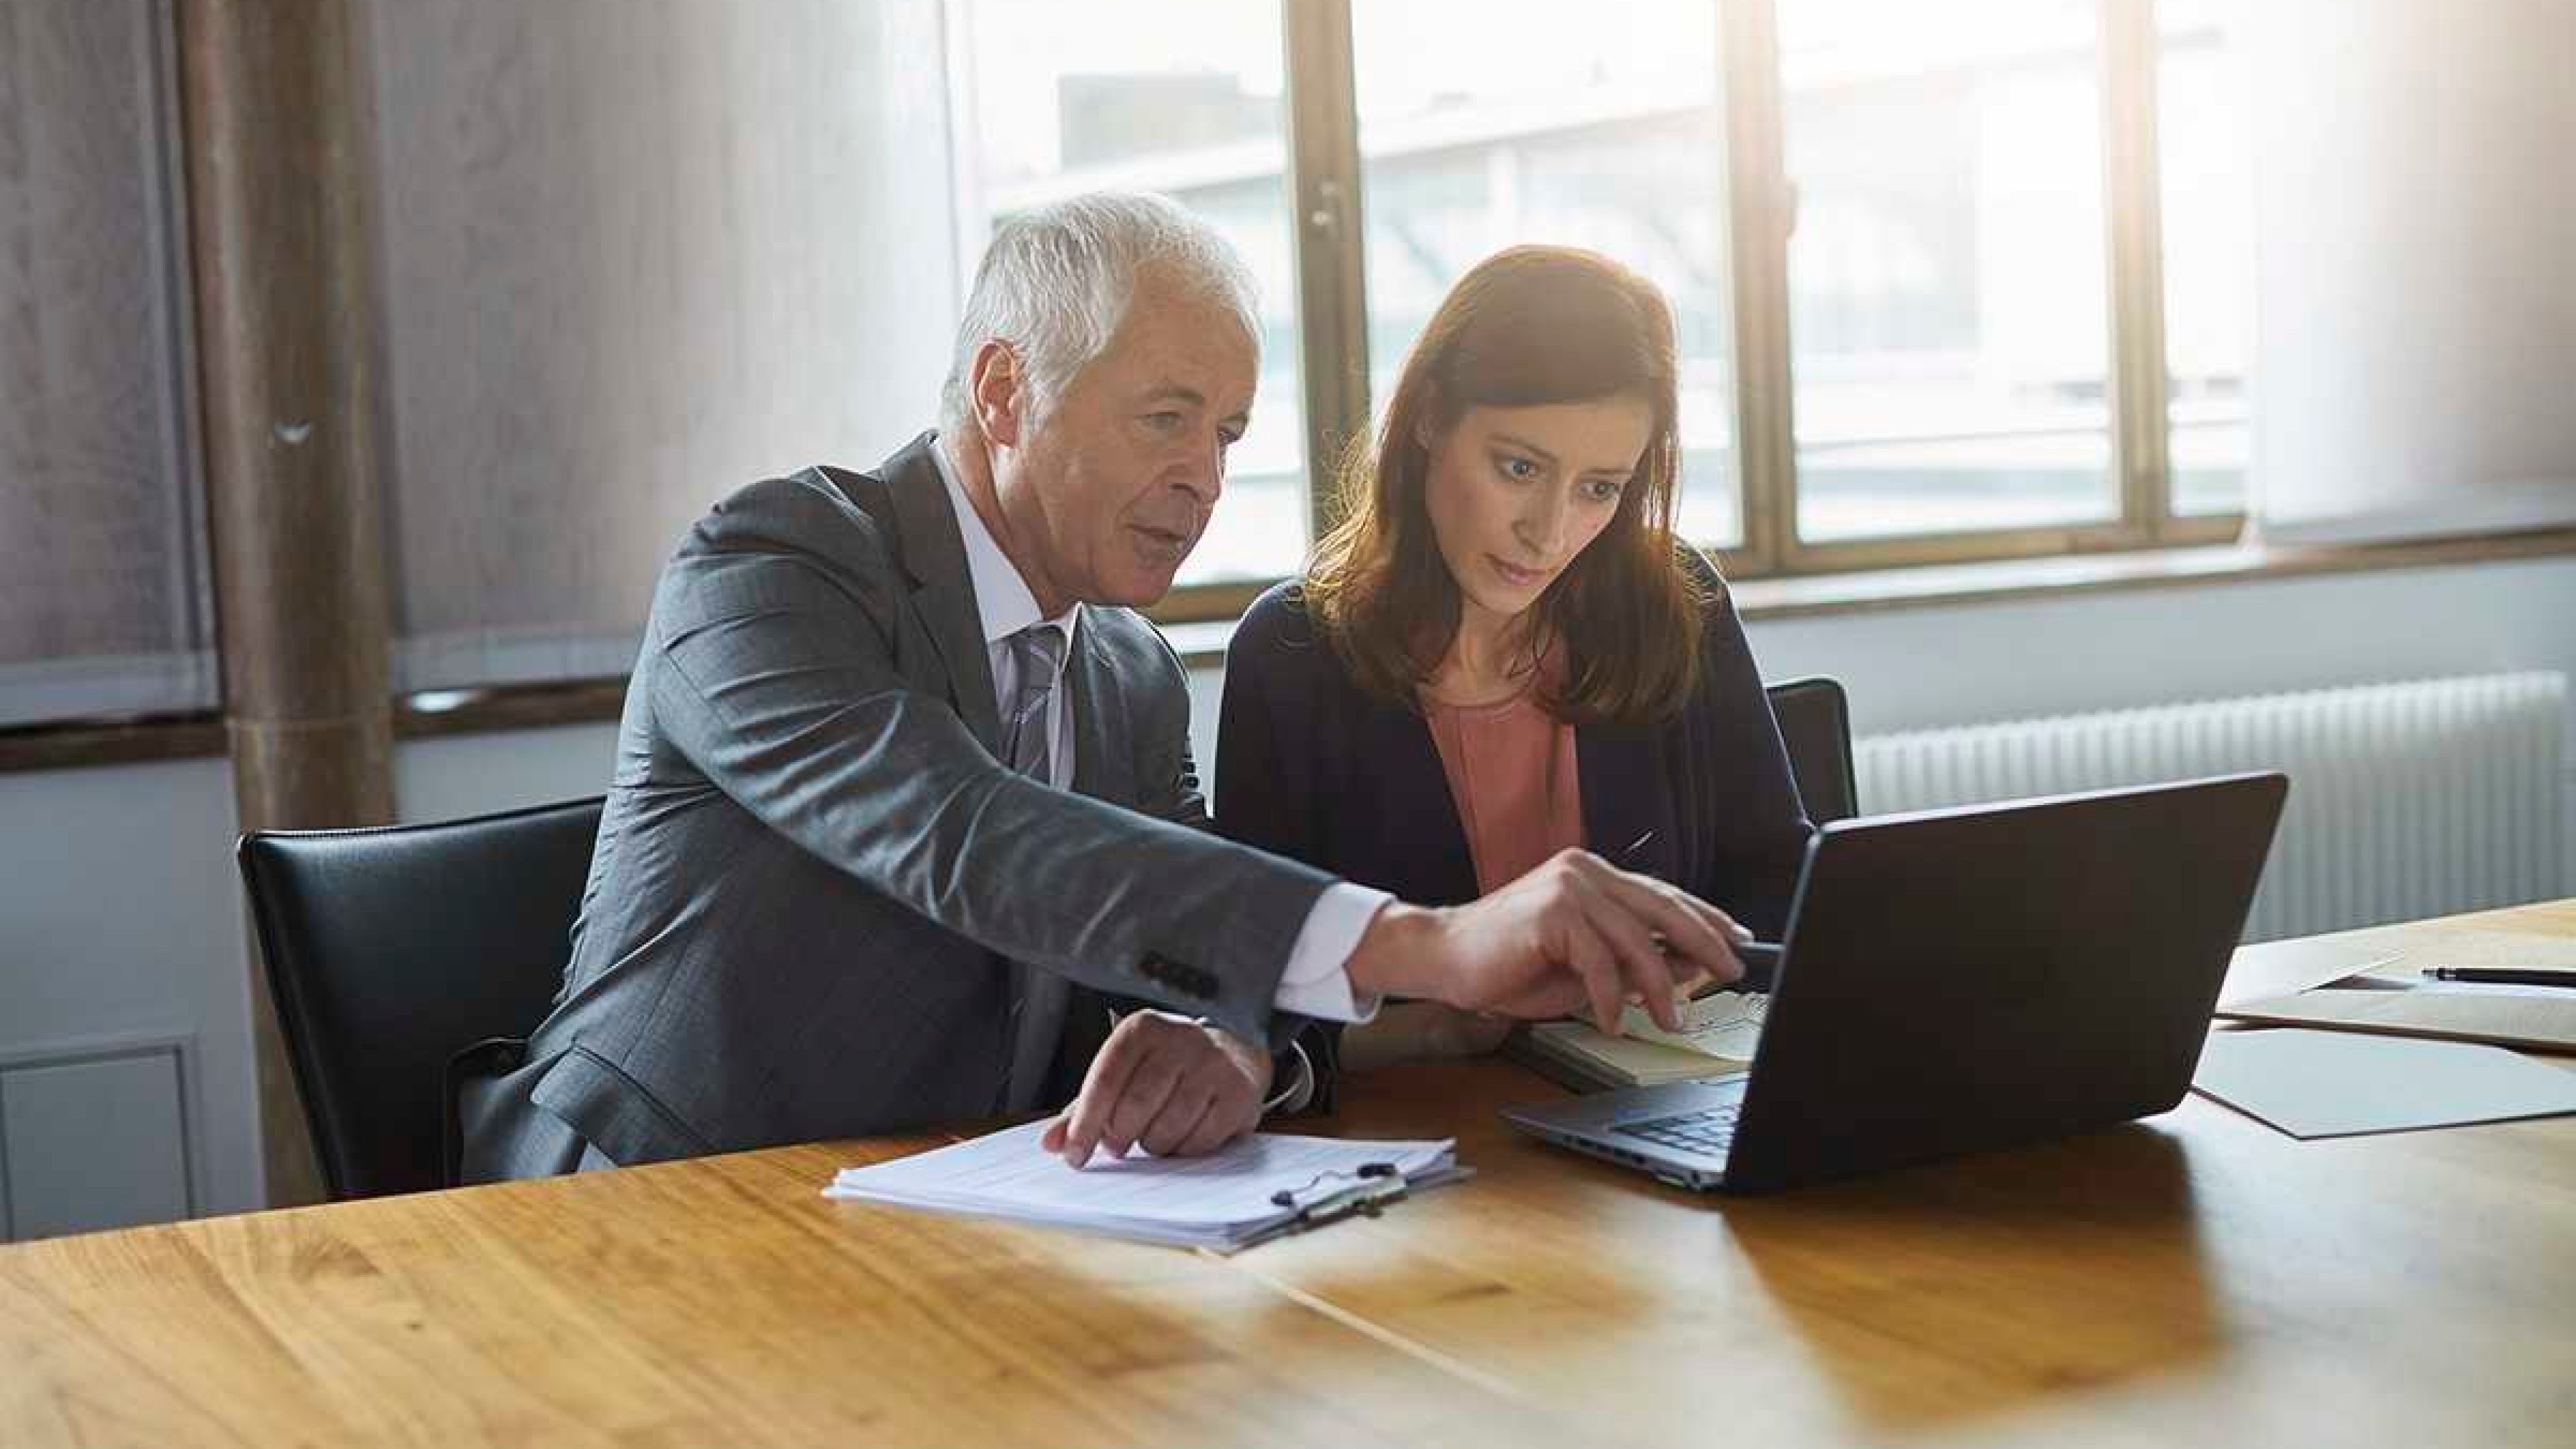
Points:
x=103, y=598
x=637, y=253
x=2416, y=175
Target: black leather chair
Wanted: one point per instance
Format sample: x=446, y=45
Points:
x=390, y=951
x=1815, y=725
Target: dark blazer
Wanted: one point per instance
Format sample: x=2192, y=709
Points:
x=813, y=877
x=1311, y=767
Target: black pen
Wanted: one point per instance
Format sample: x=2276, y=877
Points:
x=1761, y=959
x=2505, y=975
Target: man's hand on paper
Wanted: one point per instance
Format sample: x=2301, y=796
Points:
x=1165, y=1083
x=1575, y=933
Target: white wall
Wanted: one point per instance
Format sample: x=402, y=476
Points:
x=477, y=774
x=120, y=920
x=1975, y=663
x=2411, y=263
x=1952, y=664
x=1970, y=663
x=119, y=913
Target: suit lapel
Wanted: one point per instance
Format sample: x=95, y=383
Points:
x=1090, y=688
x=933, y=553
x=957, y=631
x=1043, y=1003
x=934, y=556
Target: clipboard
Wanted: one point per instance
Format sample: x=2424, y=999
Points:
x=1370, y=1190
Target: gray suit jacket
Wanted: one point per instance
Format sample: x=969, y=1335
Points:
x=812, y=867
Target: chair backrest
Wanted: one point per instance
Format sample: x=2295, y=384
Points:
x=1815, y=726
x=391, y=950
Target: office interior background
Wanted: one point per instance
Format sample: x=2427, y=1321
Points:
x=2099, y=389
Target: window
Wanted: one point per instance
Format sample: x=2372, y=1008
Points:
x=1949, y=302
x=2203, y=122
x=1917, y=245
x=1485, y=124
x=1183, y=99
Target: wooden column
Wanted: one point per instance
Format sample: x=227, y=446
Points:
x=275, y=110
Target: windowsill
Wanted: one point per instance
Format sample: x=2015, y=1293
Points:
x=2005, y=580
x=2008, y=579
x=461, y=712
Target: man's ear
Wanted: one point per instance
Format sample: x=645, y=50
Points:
x=998, y=392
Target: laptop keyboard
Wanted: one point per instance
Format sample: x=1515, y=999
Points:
x=1710, y=1129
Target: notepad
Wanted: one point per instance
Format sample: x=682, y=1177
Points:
x=1724, y=1024
x=1718, y=1035
x=1252, y=1190
x=2341, y=1084
x=1577, y=1055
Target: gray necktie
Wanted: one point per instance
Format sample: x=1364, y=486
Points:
x=1038, y=996
x=1037, y=652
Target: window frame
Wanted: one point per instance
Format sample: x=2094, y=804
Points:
x=1329, y=239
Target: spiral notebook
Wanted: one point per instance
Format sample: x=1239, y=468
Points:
x=1254, y=1189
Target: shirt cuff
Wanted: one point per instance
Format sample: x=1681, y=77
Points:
x=1317, y=982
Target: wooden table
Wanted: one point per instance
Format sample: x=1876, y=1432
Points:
x=2195, y=1279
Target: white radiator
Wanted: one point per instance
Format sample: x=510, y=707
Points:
x=2406, y=800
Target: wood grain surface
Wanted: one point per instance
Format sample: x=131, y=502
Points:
x=2197, y=1278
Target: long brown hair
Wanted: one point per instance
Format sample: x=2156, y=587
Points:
x=1529, y=326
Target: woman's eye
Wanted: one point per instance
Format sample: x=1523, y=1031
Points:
x=1519, y=470
x=1602, y=490
x=1163, y=422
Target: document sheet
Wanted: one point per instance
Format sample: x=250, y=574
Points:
x=2340, y=1083
x=2388, y=992
x=1224, y=1200
x=1724, y=1024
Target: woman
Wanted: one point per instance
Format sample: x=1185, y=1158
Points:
x=1501, y=651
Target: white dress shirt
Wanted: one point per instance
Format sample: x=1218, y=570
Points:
x=1317, y=981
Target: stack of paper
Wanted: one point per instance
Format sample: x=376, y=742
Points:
x=1224, y=1201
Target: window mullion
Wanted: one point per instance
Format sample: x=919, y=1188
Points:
x=2134, y=223
x=1760, y=208
x=1326, y=220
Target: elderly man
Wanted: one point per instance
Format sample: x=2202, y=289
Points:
x=904, y=826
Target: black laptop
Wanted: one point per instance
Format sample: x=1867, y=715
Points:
x=1959, y=980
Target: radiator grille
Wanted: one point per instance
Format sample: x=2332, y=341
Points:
x=2406, y=800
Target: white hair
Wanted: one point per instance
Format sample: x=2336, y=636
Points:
x=1057, y=281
